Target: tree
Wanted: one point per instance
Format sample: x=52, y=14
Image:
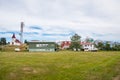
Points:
x=116, y=46
x=75, y=42
x=107, y=46
x=100, y=45
x=3, y=41
x=89, y=40
x=56, y=47
x=26, y=42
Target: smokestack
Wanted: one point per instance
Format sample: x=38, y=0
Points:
x=21, y=32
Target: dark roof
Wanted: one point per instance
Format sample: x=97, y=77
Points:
x=41, y=42
x=17, y=41
x=13, y=36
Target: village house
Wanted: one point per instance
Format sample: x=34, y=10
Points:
x=15, y=41
x=86, y=46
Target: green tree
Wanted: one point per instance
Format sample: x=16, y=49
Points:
x=100, y=45
x=56, y=47
x=75, y=42
x=107, y=46
x=116, y=46
x=26, y=42
x=3, y=41
x=89, y=40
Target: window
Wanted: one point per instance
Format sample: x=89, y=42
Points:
x=37, y=45
x=41, y=45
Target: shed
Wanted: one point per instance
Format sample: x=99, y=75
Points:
x=41, y=46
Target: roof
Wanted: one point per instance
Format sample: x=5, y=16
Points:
x=69, y=42
x=86, y=43
x=34, y=41
x=13, y=36
x=17, y=41
x=41, y=42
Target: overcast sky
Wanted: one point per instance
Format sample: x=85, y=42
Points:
x=60, y=19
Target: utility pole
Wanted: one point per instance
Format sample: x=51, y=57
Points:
x=21, y=32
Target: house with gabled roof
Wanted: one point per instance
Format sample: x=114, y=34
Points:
x=15, y=41
x=86, y=46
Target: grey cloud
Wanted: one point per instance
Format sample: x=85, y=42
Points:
x=35, y=27
x=62, y=16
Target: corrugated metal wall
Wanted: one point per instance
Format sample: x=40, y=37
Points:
x=41, y=46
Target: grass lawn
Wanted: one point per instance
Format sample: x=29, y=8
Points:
x=63, y=65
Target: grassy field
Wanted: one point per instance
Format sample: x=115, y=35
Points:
x=63, y=65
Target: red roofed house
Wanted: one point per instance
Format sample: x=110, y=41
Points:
x=87, y=46
x=65, y=44
x=15, y=41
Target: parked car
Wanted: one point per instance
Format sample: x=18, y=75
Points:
x=17, y=49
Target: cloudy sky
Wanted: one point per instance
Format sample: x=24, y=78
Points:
x=55, y=20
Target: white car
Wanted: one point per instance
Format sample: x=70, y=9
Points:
x=17, y=49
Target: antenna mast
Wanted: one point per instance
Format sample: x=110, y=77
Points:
x=21, y=32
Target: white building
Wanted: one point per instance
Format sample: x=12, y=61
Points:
x=15, y=41
x=88, y=46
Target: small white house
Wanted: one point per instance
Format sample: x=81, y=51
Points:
x=88, y=46
x=15, y=41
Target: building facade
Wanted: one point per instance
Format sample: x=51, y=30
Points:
x=15, y=41
x=41, y=46
x=86, y=46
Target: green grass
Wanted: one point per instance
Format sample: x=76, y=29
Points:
x=63, y=65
